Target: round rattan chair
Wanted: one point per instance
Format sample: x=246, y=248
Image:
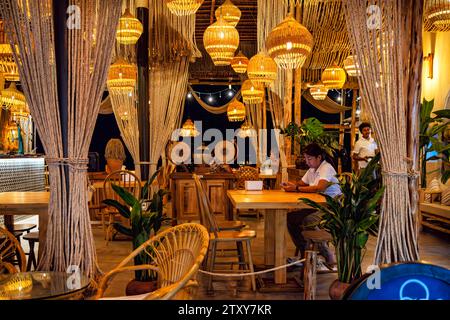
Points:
x=10, y=253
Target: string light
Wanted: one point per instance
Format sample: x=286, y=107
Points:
x=230, y=93
x=189, y=95
x=210, y=99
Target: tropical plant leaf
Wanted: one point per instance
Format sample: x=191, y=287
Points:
x=122, y=209
x=124, y=195
x=122, y=229
x=444, y=113
x=361, y=240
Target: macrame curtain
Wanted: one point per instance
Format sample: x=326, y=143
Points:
x=390, y=59
x=172, y=44
x=106, y=106
x=327, y=105
x=210, y=109
x=69, y=236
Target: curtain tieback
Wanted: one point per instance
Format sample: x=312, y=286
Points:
x=74, y=164
x=409, y=174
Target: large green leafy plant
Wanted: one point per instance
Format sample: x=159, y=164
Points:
x=431, y=130
x=146, y=217
x=352, y=216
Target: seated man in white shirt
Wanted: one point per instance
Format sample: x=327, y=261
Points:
x=366, y=147
x=321, y=177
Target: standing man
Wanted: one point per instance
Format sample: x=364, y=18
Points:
x=366, y=147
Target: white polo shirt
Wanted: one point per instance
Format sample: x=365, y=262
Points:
x=365, y=148
x=324, y=172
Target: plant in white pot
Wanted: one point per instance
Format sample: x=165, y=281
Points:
x=114, y=155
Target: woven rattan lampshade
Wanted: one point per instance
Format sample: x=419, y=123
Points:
x=289, y=44
x=12, y=97
x=18, y=112
x=129, y=29
x=318, y=91
x=7, y=64
x=351, y=66
x=229, y=12
x=122, y=76
x=240, y=63
x=188, y=129
x=246, y=131
x=252, y=92
x=221, y=40
x=438, y=12
x=262, y=69
x=334, y=77
x=236, y=111
x=183, y=7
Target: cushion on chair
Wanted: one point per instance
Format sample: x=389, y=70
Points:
x=445, y=198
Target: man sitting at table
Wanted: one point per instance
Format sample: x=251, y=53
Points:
x=321, y=177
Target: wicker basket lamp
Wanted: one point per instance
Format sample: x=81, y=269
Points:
x=438, y=12
x=183, y=7
x=351, y=66
x=246, y=131
x=7, y=64
x=122, y=76
x=334, y=77
x=262, y=69
x=318, y=91
x=221, y=40
x=188, y=129
x=252, y=92
x=289, y=44
x=129, y=29
x=12, y=97
x=236, y=111
x=229, y=12
x=240, y=63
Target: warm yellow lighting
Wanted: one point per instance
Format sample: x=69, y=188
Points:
x=221, y=40
x=246, y=131
x=19, y=112
x=252, y=93
x=12, y=97
x=188, y=129
x=289, y=44
x=129, y=29
x=438, y=12
x=7, y=64
x=19, y=284
x=183, y=7
x=262, y=69
x=318, y=91
x=239, y=63
x=122, y=76
x=236, y=111
x=351, y=66
x=334, y=77
x=429, y=65
x=229, y=12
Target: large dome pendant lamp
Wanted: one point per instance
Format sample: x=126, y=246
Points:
x=129, y=29
x=438, y=12
x=230, y=13
x=183, y=7
x=334, y=77
x=236, y=111
x=252, y=93
x=262, y=69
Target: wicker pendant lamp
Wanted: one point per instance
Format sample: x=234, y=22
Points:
x=438, y=12
x=188, y=129
x=129, y=29
x=289, y=44
x=351, y=66
x=12, y=97
x=183, y=7
x=7, y=64
x=334, y=77
x=230, y=13
x=19, y=112
x=318, y=91
x=122, y=76
x=240, y=63
x=221, y=40
x=252, y=92
x=236, y=111
x=262, y=69
x=246, y=131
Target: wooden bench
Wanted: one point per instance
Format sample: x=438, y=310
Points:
x=433, y=214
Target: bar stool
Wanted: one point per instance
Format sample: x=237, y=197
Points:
x=32, y=238
x=314, y=238
x=24, y=227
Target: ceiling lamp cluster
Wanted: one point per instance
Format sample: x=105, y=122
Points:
x=122, y=76
x=438, y=12
x=183, y=7
x=252, y=93
x=7, y=64
x=334, y=77
x=262, y=69
x=229, y=12
x=12, y=97
x=351, y=66
x=318, y=91
x=221, y=41
x=289, y=43
x=240, y=63
x=236, y=111
x=129, y=29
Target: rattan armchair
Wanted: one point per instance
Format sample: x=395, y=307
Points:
x=10, y=252
x=176, y=254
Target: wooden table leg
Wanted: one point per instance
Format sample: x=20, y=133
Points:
x=9, y=222
x=269, y=238
x=43, y=221
x=280, y=245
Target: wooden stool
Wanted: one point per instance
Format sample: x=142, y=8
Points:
x=314, y=238
x=25, y=227
x=32, y=238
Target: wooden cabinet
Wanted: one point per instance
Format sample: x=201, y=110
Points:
x=184, y=198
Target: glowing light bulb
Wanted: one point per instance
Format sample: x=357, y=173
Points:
x=210, y=99
x=230, y=93
x=221, y=35
x=189, y=95
x=289, y=45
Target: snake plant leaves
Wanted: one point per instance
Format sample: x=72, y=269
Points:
x=124, y=194
x=122, y=209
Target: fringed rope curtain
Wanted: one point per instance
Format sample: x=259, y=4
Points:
x=389, y=55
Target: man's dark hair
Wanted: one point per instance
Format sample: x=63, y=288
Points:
x=364, y=125
x=314, y=150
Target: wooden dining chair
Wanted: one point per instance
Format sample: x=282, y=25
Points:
x=11, y=253
x=177, y=254
x=127, y=180
x=218, y=236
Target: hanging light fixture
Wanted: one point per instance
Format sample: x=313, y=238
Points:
x=318, y=91
x=230, y=13
x=252, y=92
x=19, y=112
x=221, y=41
x=122, y=76
x=289, y=43
x=262, y=69
x=129, y=29
x=246, y=131
x=188, y=129
x=334, y=77
x=438, y=12
x=7, y=64
x=12, y=97
x=183, y=7
x=240, y=63
x=236, y=111
x=351, y=66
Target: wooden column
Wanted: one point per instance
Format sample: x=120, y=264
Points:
x=353, y=126
x=309, y=275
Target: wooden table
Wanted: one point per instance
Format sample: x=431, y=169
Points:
x=27, y=203
x=276, y=204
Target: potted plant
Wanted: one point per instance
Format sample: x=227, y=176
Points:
x=350, y=218
x=311, y=130
x=146, y=217
x=114, y=155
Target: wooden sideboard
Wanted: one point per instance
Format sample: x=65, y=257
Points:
x=184, y=198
